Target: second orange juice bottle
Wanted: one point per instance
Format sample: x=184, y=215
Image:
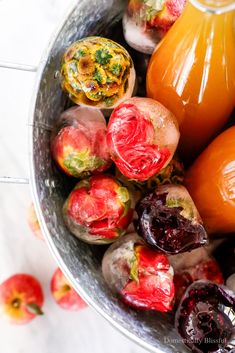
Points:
x=211, y=183
x=192, y=73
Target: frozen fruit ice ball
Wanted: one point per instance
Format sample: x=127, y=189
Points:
x=78, y=143
x=205, y=318
x=142, y=137
x=169, y=221
x=97, y=72
x=98, y=210
x=192, y=266
x=140, y=276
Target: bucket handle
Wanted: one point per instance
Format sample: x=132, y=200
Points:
x=13, y=180
x=16, y=66
x=19, y=67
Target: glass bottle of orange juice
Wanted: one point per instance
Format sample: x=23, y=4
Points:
x=211, y=183
x=192, y=72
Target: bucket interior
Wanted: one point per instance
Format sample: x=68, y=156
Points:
x=79, y=261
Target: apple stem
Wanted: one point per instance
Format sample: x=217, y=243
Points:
x=16, y=303
x=34, y=308
x=66, y=288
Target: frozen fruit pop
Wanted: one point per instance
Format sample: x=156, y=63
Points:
x=79, y=144
x=205, y=318
x=169, y=220
x=146, y=22
x=98, y=210
x=173, y=173
x=193, y=266
x=139, y=275
x=142, y=137
x=97, y=72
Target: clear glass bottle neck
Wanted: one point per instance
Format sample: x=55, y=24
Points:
x=214, y=6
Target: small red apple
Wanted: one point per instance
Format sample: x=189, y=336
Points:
x=33, y=222
x=64, y=294
x=21, y=298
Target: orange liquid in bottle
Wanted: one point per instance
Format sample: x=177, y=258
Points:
x=192, y=73
x=211, y=183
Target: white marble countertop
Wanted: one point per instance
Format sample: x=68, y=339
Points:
x=25, y=28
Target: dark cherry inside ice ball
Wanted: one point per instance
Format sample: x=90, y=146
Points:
x=205, y=318
x=169, y=220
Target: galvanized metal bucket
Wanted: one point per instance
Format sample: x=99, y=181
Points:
x=80, y=262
